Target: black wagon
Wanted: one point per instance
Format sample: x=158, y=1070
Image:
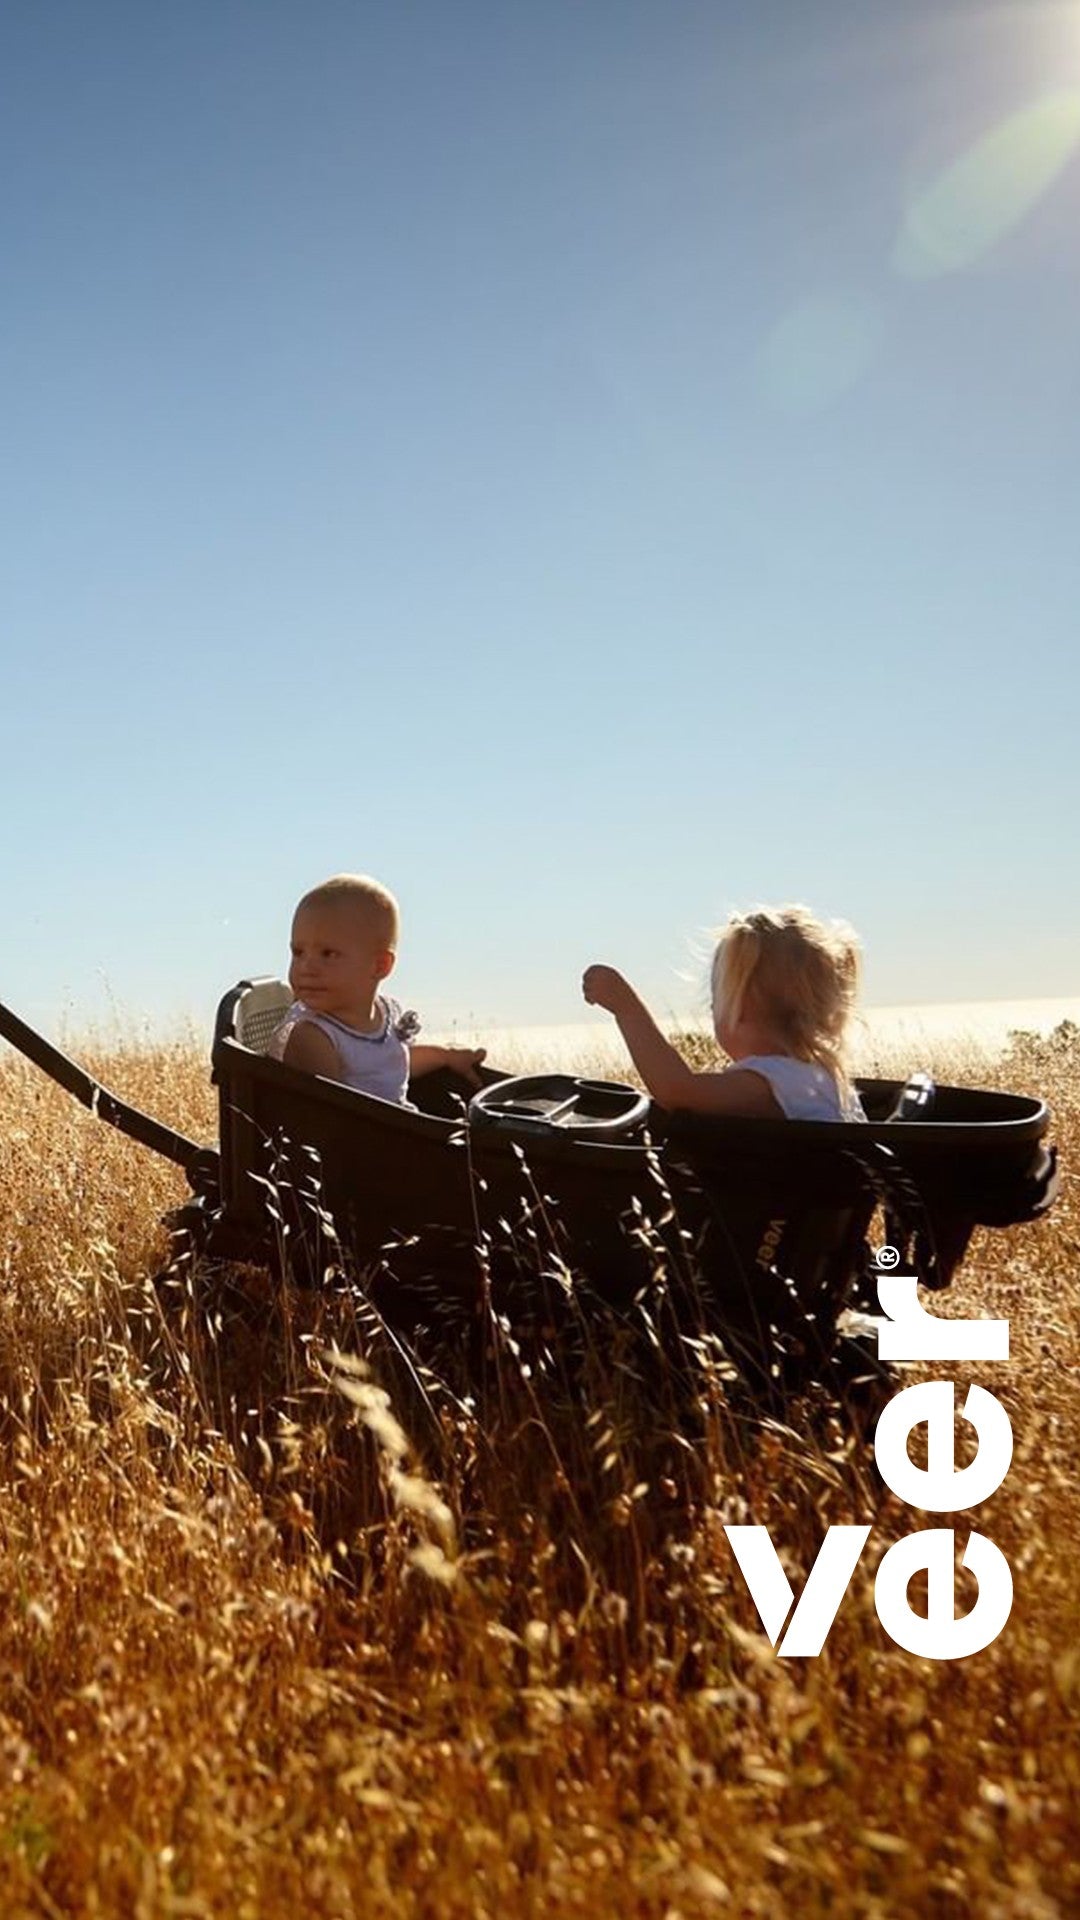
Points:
x=756, y=1229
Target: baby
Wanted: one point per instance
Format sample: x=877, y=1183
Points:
x=344, y=944
x=783, y=991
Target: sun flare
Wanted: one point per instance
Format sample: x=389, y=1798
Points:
x=985, y=193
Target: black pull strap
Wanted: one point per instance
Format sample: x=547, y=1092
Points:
x=199, y=1163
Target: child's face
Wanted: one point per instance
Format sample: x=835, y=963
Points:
x=338, y=959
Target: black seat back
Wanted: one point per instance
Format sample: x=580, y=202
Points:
x=778, y=1215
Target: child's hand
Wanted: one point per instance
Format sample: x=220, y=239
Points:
x=467, y=1062
x=605, y=987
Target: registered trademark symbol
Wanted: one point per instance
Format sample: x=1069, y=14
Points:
x=887, y=1257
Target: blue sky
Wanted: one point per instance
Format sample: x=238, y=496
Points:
x=590, y=465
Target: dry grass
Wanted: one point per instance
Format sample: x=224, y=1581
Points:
x=262, y=1656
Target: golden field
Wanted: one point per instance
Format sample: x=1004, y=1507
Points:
x=289, y=1628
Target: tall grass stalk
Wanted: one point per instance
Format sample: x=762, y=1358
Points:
x=295, y=1621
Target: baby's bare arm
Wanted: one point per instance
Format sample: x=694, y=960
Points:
x=462, y=1060
x=313, y=1051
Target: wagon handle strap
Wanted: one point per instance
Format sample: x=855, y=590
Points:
x=195, y=1160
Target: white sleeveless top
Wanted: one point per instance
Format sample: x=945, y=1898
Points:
x=803, y=1089
x=376, y=1062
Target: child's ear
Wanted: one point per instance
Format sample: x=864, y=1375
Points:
x=386, y=963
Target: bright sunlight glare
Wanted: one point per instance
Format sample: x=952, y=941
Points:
x=986, y=192
x=818, y=350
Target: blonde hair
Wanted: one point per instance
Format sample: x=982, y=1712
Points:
x=357, y=890
x=804, y=975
